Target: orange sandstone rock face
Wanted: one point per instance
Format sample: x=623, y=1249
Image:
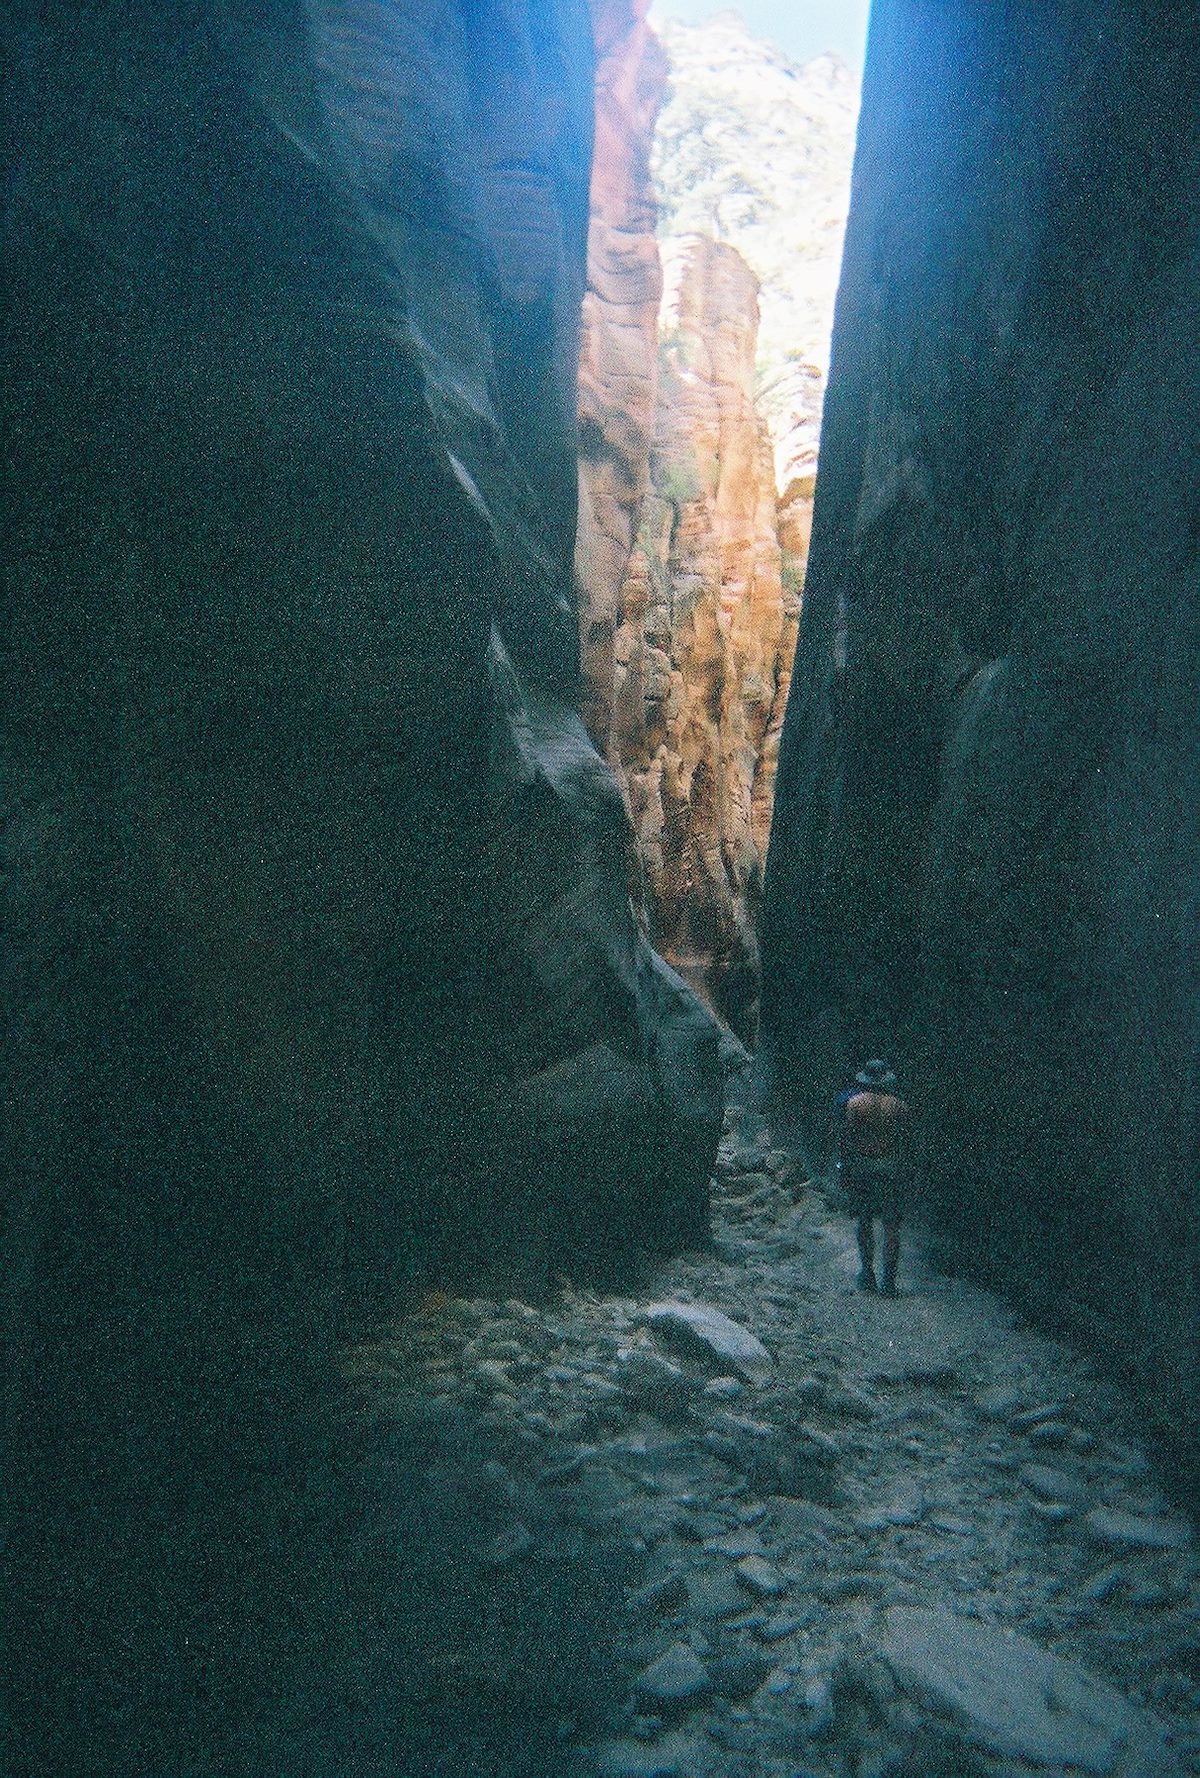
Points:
x=706, y=633
x=619, y=336
x=688, y=570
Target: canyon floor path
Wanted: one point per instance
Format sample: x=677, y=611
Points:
x=880, y=1537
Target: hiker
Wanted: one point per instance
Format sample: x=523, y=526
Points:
x=872, y=1145
x=874, y=1070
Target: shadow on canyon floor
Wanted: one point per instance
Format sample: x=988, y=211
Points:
x=626, y=1558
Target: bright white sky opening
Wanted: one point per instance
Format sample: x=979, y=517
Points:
x=801, y=28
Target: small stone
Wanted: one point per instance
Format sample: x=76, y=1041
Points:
x=510, y=1543
x=1052, y=1512
x=648, y=1381
x=905, y=1506
x=672, y=1757
x=779, y=1682
x=674, y=1678
x=997, y=1402
x=784, y=1623
x=1148, y=1594
x=713, y=1594
x=1102, y=1586
x=735, y=1543
x=1030, y=1417
x=952, y=1523
x=1127, y=1530
x=1051, y=1484
x=495, y=1374
x=737, y=1676
x=814, y=1441
x=658, y=1597
x=741, y=1426
x=760, y=1577
x=1055, y=1435
x=723, y=1388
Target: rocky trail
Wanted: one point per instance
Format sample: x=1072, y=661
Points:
x=858, y=1538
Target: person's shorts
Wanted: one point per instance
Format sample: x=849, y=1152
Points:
x=874, y=1188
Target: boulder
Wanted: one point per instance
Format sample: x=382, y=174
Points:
x=709, y=1334
x=1006, y=1697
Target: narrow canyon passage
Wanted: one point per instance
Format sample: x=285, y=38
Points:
x=867, y=1537
x=442, y=705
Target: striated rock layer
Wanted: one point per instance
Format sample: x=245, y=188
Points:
x=687, y=608
x=320, y=967
x=704, y=645
x=985, y=851
x=618, y=337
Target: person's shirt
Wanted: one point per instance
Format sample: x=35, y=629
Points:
x=875, y=1125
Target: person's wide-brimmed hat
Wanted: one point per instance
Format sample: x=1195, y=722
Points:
x=877, y=1075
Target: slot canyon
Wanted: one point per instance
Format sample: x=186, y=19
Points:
x=474, y=795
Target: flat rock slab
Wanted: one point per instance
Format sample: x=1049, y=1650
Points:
x=709, y=1334
x=714, y=1594
x=676, y=1678
x=1126, y=1530
x=1010, y=1698
x=1052, y=1484
x=903, y=1506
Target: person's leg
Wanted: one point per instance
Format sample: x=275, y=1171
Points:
x=866, y=1252
x=891, y=1257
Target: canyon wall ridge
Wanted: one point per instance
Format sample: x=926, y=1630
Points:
x=984, y=858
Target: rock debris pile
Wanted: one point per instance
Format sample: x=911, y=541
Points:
x=856, y=1538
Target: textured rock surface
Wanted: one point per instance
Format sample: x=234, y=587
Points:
x=703, y=650
x=687, y=638
x=755, y=151
x=319, y=958
x=618, y=347
x=1006, y=1697
x=985, y=844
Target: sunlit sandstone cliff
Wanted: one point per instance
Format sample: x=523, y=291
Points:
x=686, y=639
x=755, y=150
x=704, y=644
x=618, y=337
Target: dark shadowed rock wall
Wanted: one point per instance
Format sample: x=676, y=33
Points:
x=985, y=845
x=319, y=966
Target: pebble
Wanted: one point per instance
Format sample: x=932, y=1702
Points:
x=739, y=1675
x=783, y=1624
x=760, y=1577
x=649, y=1381
x=735, y=1543
x=1051, y=1484
x=671, y=1758
x=904, y=1507
x=1130, y=1530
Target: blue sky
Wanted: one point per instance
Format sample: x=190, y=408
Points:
x=801, y=28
